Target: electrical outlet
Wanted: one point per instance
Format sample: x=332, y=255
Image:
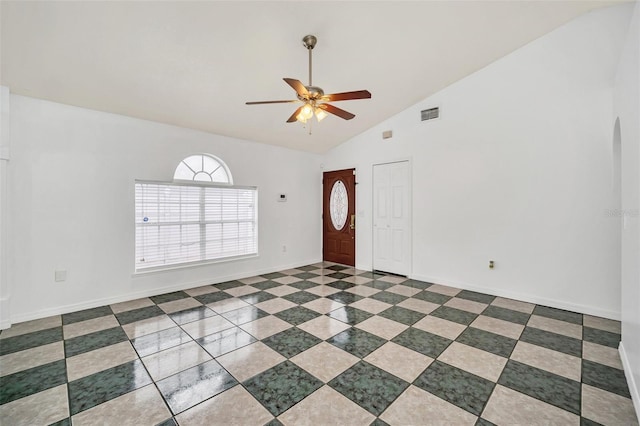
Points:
x=491, y=264
x=60, y=275
x=284, y=249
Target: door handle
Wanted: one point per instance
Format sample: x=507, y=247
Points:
x=353, y=221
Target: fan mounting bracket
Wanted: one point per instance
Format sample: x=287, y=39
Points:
x=309, y=41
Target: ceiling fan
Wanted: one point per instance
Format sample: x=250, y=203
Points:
x=313, y=98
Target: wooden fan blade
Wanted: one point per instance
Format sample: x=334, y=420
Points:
x=298, y=87
x=293, y=116
x=337, y=111
x=346, y=96
x=271, y=102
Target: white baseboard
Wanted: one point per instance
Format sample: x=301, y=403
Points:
x=633, y=386
x=554, y=303
x=5, y=313
x=58, y=310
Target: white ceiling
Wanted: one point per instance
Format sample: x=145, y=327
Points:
x=194, y=64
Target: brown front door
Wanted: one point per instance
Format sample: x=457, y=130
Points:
x=338, y=217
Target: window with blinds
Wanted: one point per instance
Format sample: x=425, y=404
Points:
x=188, y=223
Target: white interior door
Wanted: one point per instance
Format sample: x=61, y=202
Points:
x=392, y=218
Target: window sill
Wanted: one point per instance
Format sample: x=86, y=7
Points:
x=178, y=266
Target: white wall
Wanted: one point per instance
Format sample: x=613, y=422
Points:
x=627, y=110
x=517, y=170
x=71, y=188
x=5, y=291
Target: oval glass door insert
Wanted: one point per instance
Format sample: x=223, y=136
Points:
x=338, y=205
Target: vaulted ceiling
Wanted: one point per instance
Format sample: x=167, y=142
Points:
x=195, y=64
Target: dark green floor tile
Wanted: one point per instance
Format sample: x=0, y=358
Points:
x=506, y=314
x=345, y=297
x=338, y=267
x=543, y=385
x=106, y=385
x=274, y=422
x=261, y=296
x=459, y=387
x=605, y=377
x=307, y=268
x=297, y=315
x=139, y=314
x=169, y=422
x=339, y=275
x=490, y=342
x=557, y=342
x=225, y=341
x=27, y=382
x=191, y=315
x=282, y=386
x=476, y=297
x=291, y=342
x=357, y=342
x=228, y=285
x=378, y=422
x=368, y=386
x=305, y=275
x=63, y=422
x=212, y=297
x=586, y=422
x=169, y=297
x=388, y=297
x=350, y=315
x=300, y=297
x=341, y=285
x=266, y=285
x=93, y=341
x=417, y=284
x=432, y=297
x=378, y=285
x=455, y=315
x=273, y=275
x=30, y=340
x=402, y=315
x=483, y=422
x=87, y=314
x=558, y=314
x=304, y=285
x=156, y=342
x=371, y=274
x=601, y=337
x=422, y=341
x=245, y=315
x=194, y=385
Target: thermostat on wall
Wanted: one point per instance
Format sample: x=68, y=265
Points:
x=282, y=197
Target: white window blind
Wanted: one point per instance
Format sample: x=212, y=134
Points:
x=179, y=224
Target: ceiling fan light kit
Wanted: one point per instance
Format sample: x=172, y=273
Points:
x=314, y=101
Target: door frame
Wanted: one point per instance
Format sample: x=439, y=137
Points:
x=355, y=208
x=409, y=162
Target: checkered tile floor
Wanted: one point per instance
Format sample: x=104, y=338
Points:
x=321, y=344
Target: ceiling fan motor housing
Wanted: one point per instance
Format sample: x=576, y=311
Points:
x=315, y=93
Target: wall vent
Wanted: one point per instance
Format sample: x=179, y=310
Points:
x=430, y=114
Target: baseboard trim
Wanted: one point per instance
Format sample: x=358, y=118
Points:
x=5, y=313
x=628, y=372
x=59, y=310
x=554, y=303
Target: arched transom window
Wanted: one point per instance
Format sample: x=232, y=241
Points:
x=203, y=168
